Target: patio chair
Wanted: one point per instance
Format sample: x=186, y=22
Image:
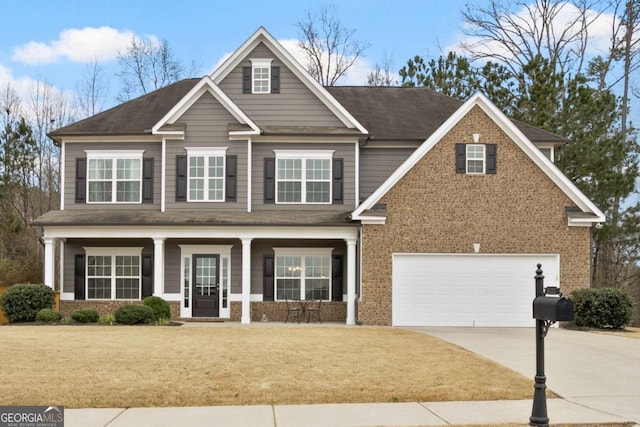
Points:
x=293, y=311
x=313, y=312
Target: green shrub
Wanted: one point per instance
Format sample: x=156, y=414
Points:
x=134, y=313
x=85, y=315
x=21, y=303
x=160, y=307
x=48, y=315
x=602, y=308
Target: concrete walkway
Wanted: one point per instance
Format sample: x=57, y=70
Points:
x=334, y=415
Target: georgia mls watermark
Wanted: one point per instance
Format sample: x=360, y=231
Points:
x=31, y=416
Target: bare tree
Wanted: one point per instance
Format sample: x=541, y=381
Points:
x=382, y=75
x=91, y=90
x=330, y=47
x=49, y=110
x=146, y=66
x=514, y=33
x=10, y=105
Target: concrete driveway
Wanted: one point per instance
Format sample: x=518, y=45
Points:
x=598, y=371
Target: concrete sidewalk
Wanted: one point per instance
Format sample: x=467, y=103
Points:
x=334, y=415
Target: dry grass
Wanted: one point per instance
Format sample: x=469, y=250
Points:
x=121, y=366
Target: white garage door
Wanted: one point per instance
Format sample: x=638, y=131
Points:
x=467, y=289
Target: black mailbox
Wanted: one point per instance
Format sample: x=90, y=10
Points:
x=555, y=309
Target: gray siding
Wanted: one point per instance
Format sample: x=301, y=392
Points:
x=73, y=247
x=76, y=149
x=295, y=105
x=377, y=164
x=207, y=125
x=260, y=248
x=262, y=150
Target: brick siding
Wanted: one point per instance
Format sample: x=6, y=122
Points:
x=434, y=210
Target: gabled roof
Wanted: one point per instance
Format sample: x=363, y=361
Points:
x=203, y=86
x=135, y=117
x=411, y=113
x=262, y=36
x=515, y=134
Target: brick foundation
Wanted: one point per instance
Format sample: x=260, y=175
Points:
x=276, y=311
x=108, y=307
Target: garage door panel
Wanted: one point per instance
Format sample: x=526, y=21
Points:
x=467, y=289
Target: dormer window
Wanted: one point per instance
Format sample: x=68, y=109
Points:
x=261, y=77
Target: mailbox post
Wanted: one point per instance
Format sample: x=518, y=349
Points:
x=546, y=310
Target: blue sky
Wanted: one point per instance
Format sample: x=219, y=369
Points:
x=202, y=32
x=53, y=41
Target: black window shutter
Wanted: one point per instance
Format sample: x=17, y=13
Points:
x=231, y=178
x=336, y=277
x=338, y=181
x=147, y=180
x=246, y=79
x=81, y=180
x=181, y=178
x=267, y=278
x=78, y=284
x=269, y=180
x=275, y=79
x=147, y=276
x=461, y=158
x=491, y=157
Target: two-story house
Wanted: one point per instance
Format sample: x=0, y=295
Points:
x=231, y=194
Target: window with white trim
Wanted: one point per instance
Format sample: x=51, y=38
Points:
x=114, y=176
x=261, y=75
x=475, y=158
x=303, y=176
x=114, y=273
x=303, y=274
x=206, y=174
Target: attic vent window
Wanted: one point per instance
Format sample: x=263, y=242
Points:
x=261, y=75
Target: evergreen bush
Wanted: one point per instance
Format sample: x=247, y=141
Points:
x=160, y=307
x=21, y=303
x=48, y=315
x=134, y=313
x=85, y=315
x=602, y=308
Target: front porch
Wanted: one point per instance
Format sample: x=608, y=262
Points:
x=237, y=261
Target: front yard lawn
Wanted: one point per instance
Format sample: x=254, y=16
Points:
x=137, y=366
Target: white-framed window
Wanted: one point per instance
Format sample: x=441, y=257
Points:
x=206, y=172
x=261, y=75
x=475, y=159
x=114, y=176
x=303, y=273
x=303, y=176
x=114, y=273
x=548, y=151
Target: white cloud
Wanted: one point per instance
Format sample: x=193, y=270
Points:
x=77, y=45
x=25, y=88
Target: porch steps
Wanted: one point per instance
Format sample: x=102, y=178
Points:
x=202, y=319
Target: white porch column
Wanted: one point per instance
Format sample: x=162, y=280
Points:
x=158, y=266
x=49, y=261
x=351, y=282
x=246, y=281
